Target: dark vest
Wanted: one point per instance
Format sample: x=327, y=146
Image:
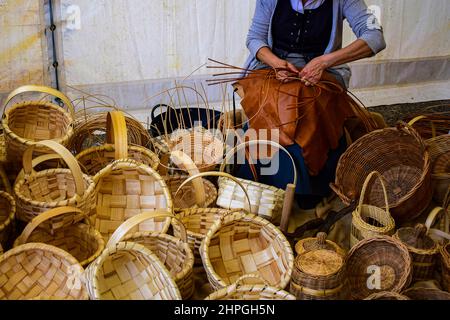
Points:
x=307, y=33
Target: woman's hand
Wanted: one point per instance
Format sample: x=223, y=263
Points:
x=313, y=71
x=285, y=71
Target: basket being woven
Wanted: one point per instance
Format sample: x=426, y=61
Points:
x=369, y=221
x=37, y=270
x=129, y=271
x=400, y=156
x=173, y=252
x=377, y=264
x=79, y=239
x=7, y=215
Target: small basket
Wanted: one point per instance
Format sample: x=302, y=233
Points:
x=7, y=214
x=266, y=201
x=240, y=244
x=255, y=290
x=423, y=251
x=125, y=189
x=445, y=259
x=387, y=295
x=129, y=271
x=37, y=270
x=319, y=273
x=37, y=192
x=426, y=294
x=95, y=159
x=79, y=239
x=400, y=155
x=173, y=252
x=369, y=221
x=378, y=264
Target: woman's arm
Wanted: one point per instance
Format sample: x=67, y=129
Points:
x=283, y=69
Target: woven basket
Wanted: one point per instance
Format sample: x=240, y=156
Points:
x=423, y=251
x=266, y=201
x=41, y=191
x=129, y=271
x=7, y=214
x=173, y=252
x=378, y=264
x=79, y=239
x=246, y=288
x=438, y=224
x=369, y=221
x=445, y=258
x=387, y=295
x=32, y=121
x=426, y=294
x=95, y=159
x=239, y=244
x=319, y=273
x=125, y=189
x=37, y=270
x=400, y=155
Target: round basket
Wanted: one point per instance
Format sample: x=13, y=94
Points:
x=239, y=244
x=129, y=271
x=173, y=252
x=266, y=201
x=369, y=221
x=246, y=288
x=39, y=270
x=32, y=121
x=445, y=258
x=79, y=239
x=37, y=192
x=95, y=159
x=7, y=214
x=426, y=294
x=319, y=273
x=400, y=155
x=377, y=264
x=125, y=189
x=387, y=295
x=423, y=251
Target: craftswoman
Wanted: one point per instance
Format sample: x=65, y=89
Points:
x=306, y=35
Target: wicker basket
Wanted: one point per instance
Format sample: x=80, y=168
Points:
x=173, y=252
x=239, y=244
x=129, y=271
x=369, y=221
x=79, y=239
x=95, y=159
x=438, y=224
x=387, y=295
x=32, y=121
x=37, y=270
x=378, y=264
x=423, y=251
x=125, y=189
x=400, y=155
x=41, y=191
x=426, y=294
x=319, y=273
x=266, y=201
x=246, y=288
x=445, y=258
x=7, y=214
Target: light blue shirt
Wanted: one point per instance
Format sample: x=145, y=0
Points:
x=297, y=5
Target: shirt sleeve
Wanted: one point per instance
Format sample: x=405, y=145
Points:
x=364, y=24
x=258, y=34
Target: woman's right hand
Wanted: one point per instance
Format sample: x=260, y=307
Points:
x=285, y=71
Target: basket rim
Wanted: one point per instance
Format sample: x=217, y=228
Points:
x=300, y=243
x=4, y=224
x=277, y=191
x=358, y=221
x=432, y=251
x=260, y=288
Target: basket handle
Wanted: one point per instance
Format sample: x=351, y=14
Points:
x=183, y=161
x=366, y=183
x=134, y=221
x=240, y=282
x=259, y=142
x=116, y=133
x=37, y=161
x=65, y=154
x=411, y=131
x=41, y=89
x=41, y=218
x=217, y=174
x=418, y=118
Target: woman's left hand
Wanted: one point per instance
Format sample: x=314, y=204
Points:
x=312, y=72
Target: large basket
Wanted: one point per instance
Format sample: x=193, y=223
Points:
x=319, y=273
x=423, y=251
x=445, y=258
x=32, y=121
x=7, y=215
x=426, y=294
x=125, y=189
x=79, y=239
x=95, y=159
x=246, y=288
x=369, y=221
x=266, y=201
x=37, y=192
x=173, y=252
x=129, y=271
x=240, y=244
x=378, y=264
x=400, y=155
x=37, y=270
